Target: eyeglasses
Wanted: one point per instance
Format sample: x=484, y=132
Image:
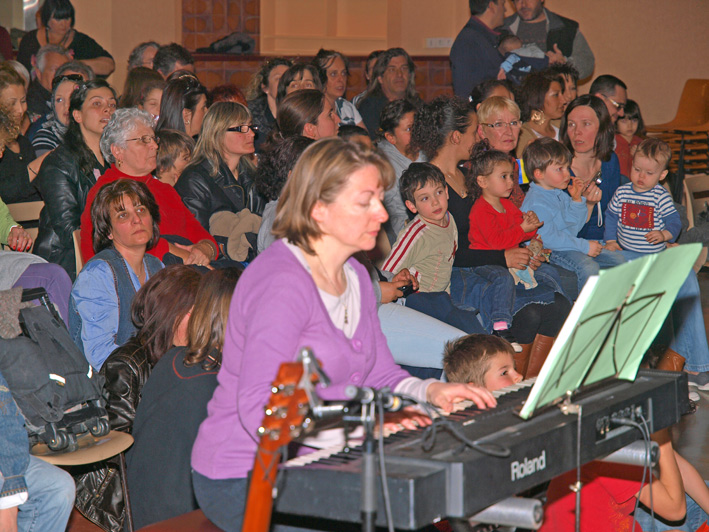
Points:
x=77, y=78
x=619, y=106
x=499, y=125
x=147, y=139
x=243, y=129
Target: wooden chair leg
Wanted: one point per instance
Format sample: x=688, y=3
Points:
x=126, y=496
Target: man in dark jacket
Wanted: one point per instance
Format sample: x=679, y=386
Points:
x=533, y=23
x=474, y=55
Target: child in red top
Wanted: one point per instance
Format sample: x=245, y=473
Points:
x=630, y=131
x=497, y=224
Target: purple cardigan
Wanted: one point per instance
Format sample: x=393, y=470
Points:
x=276, y=310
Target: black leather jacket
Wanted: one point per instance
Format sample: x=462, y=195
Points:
x=99, y=494
x=205, y=195
x=64, y=189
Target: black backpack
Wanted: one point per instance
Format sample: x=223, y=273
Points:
x=55, y=387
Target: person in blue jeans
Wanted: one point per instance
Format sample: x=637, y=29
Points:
x=34, y=495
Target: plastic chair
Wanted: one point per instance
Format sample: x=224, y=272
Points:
x=91, y=450
x=26, y=212
x=693, y=108
x=77, y=250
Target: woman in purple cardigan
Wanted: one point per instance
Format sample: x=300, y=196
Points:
x=304, y=290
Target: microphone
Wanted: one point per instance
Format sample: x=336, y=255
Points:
x=391, y=401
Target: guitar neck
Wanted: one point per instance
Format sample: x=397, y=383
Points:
x=259, y=503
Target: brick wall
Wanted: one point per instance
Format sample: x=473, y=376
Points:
x=205, y=21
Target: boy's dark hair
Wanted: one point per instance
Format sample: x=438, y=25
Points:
x=348, y=131
x=167, y=56
x=654, y=148
x=173, y=144
x=416, y=176
x=541, y=153
x=467, y=359
x=632, y=111
x=482, y=163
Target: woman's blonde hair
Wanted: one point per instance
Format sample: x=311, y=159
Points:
x=320, y=175
x=496, y=104
x=210, y=145
x=208, y=321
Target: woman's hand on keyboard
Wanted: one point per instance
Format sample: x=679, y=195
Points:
x=445, y=394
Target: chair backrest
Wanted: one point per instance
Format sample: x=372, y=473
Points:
x=693, y=109
x=26, y=212
x=77, y=250
x=698, y=187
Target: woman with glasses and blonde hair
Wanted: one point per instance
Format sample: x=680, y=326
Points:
x=221, y=174
x=129, y=145
x=305, y=290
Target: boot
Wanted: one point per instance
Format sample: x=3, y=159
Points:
x=670, y=361
x=522, y=359
x=540, y=349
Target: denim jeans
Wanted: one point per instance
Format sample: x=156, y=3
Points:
x=51, y=498
x=414, y=338
x=501, y=289
x=695, y=517
x=585, y=266
x=439, y=305
x=685, y=323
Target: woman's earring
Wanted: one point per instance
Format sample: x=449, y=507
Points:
x=187, y=122
x=119, y=163
x=538, y=117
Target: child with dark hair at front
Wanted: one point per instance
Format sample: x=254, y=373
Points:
x=427, y=246
x=497, y=224
x=481, y=359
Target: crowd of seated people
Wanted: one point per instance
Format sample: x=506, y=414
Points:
x=222, y=229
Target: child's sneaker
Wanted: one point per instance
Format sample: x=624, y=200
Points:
x=700, y=380
x=505, y=334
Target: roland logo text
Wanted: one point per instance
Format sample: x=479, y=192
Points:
x=523, y=469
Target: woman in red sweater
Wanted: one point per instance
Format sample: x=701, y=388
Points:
x=129, y=144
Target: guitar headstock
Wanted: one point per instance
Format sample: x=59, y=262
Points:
x=287, y=414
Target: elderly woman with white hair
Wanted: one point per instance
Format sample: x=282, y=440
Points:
x=129, y=145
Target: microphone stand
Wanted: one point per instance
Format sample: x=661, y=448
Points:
x=368, y=496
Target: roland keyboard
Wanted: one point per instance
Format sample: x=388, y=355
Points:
x=451, y=480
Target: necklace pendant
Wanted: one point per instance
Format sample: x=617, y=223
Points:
x=346, y=320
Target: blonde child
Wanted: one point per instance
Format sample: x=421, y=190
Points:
x=481, y=359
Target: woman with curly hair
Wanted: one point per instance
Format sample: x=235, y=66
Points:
x=274, y=167
x=261, y=96
x=446, y=131
x=300, y=76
